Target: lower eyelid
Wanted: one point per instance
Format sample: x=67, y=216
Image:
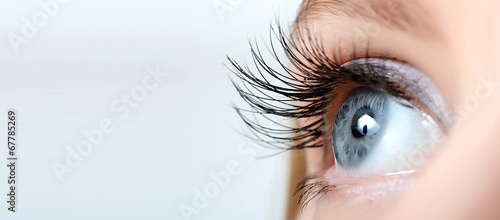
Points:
x=364, y=190
x=336, y=191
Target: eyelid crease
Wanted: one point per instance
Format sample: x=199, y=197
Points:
x=414, y=83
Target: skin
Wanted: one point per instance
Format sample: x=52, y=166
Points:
x=462, y=179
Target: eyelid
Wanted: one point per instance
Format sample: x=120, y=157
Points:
x=414, y=83
x=362, y=189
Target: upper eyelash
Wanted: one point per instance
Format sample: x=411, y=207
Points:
x=315, y=84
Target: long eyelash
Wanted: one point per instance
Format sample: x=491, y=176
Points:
x=294, y=94
x=303, y=92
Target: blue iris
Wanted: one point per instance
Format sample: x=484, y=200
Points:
x=358, y=125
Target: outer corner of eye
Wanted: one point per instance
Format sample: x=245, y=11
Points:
x=375, y=133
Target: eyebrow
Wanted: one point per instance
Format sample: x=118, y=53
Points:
x=404, y=15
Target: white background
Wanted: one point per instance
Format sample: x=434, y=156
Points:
x=64, y=80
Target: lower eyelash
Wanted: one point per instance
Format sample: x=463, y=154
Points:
x=312, y=187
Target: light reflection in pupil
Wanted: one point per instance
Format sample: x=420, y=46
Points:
x=363, y=123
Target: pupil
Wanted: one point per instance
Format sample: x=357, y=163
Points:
x=358, y=128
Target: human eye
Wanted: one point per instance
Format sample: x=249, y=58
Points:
x=374, y=132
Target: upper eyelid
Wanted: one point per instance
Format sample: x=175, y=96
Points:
x=414, y=83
